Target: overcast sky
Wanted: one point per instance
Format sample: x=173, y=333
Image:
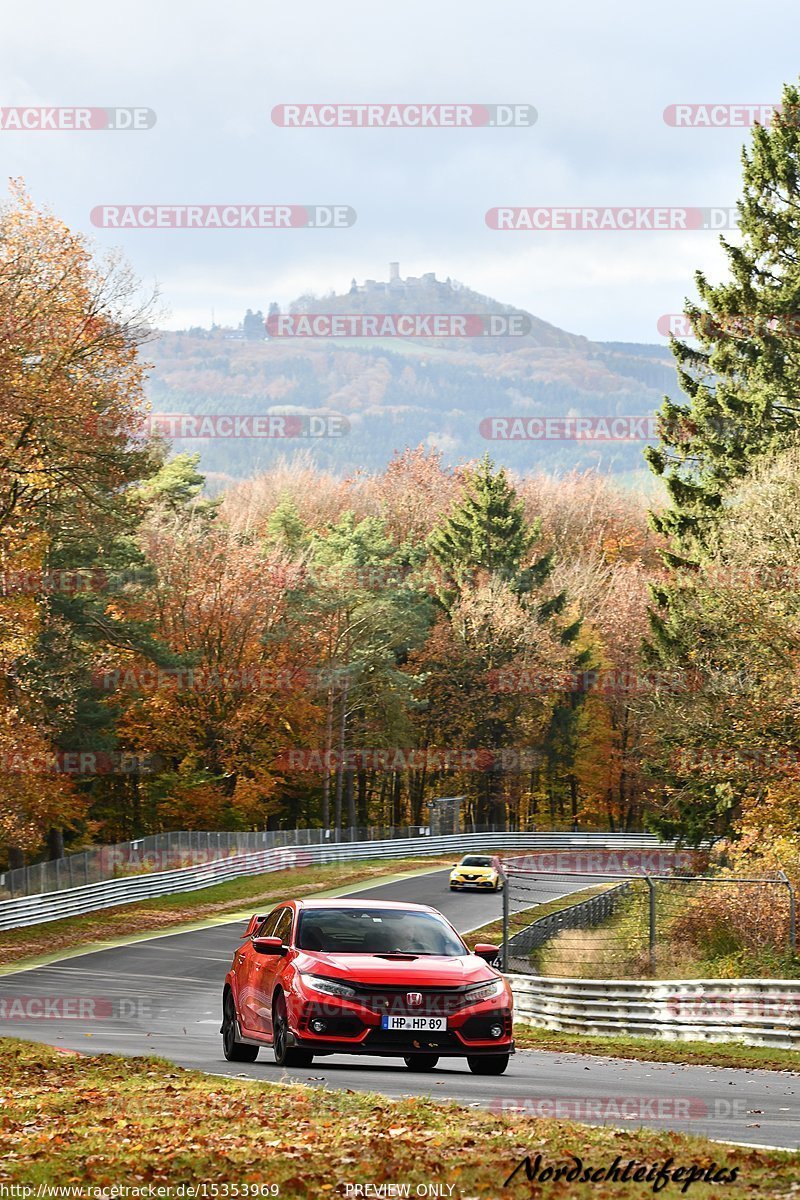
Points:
x=599, y=76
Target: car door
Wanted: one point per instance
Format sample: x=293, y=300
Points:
x=247, y=967
x=271, y=966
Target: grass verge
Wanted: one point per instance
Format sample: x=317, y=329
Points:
x=96, y=1122
x=719, y=1054
x=159, y=915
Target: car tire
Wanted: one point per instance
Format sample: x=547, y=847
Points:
x=285, y=1055
x=453, y=887
x=234, y=1050
x=488, y=1064
x=421, y=1062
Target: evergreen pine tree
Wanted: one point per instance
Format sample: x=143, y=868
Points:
x=742, y=380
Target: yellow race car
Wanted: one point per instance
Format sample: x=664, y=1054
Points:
x=476, y=871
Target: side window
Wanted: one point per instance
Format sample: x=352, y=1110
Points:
x=267, y=926
x=284, y=927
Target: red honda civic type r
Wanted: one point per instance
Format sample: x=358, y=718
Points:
x=365, y=977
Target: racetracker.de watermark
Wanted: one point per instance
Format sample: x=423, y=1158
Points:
x=708, y=325
x=621, y=1108
x=774, y=763
x=206, y=680
x=75, y=763
x=230, y=425
x=403, y=116
x=603, y=862
x=223, y=216
x=708, y=1006
x=47, y=119
x=56, y=582
x=398, y=758
x=570, y=429
x=714, y=115
x=612, y=682
x=397, y=325
x=625, y=219
x=74, y=1008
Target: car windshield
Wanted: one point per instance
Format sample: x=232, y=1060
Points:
x=376, y=931
x=475, y=860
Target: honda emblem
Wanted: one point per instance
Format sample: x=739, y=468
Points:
x=413, y=999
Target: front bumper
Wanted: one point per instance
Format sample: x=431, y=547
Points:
x=395, y=1044
x=353, y=1029
x=487, y=884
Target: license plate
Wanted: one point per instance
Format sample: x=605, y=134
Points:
x=433, y=1024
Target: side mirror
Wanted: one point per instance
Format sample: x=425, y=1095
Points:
x=483, y=950
x=268, y=945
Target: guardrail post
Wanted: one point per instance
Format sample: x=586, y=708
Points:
x=504, y=949
x=652, y=922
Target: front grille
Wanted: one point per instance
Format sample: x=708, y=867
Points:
x=435, y=1003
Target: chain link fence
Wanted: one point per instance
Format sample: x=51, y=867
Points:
x=174, y=851
x=641, y=925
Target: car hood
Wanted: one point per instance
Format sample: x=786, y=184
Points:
x=428, y=970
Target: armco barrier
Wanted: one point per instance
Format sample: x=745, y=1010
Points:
x=179, y=848
x=757, y=1012
x=69, y=902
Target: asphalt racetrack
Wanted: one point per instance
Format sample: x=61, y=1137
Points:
x=162, y=996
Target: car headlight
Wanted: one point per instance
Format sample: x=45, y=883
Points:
x=330, y=987
x=486, y=991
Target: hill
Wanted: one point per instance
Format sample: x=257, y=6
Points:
x=396, y=392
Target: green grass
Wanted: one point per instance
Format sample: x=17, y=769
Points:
x=493, y=933
x=618, y=948
x=719, y=1054
x=715, y=1054
x=245, y=895
x=67, y=1119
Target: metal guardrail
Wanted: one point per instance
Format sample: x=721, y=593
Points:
x=179, y=848
x=191, y=847
x=583, y=915
x=757, y=1012
x=51, y=906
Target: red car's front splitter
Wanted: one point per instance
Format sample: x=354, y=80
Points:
x=382, y=1048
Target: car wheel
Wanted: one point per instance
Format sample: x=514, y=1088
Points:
x=488, y=1064
x=453, y=887
x=285, y=1055
x=234, y=1050
x=421, y=1062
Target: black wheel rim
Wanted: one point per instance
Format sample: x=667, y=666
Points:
x=229, y=1029
x=280, y=1036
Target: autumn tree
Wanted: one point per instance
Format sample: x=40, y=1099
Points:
x=70, y=450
